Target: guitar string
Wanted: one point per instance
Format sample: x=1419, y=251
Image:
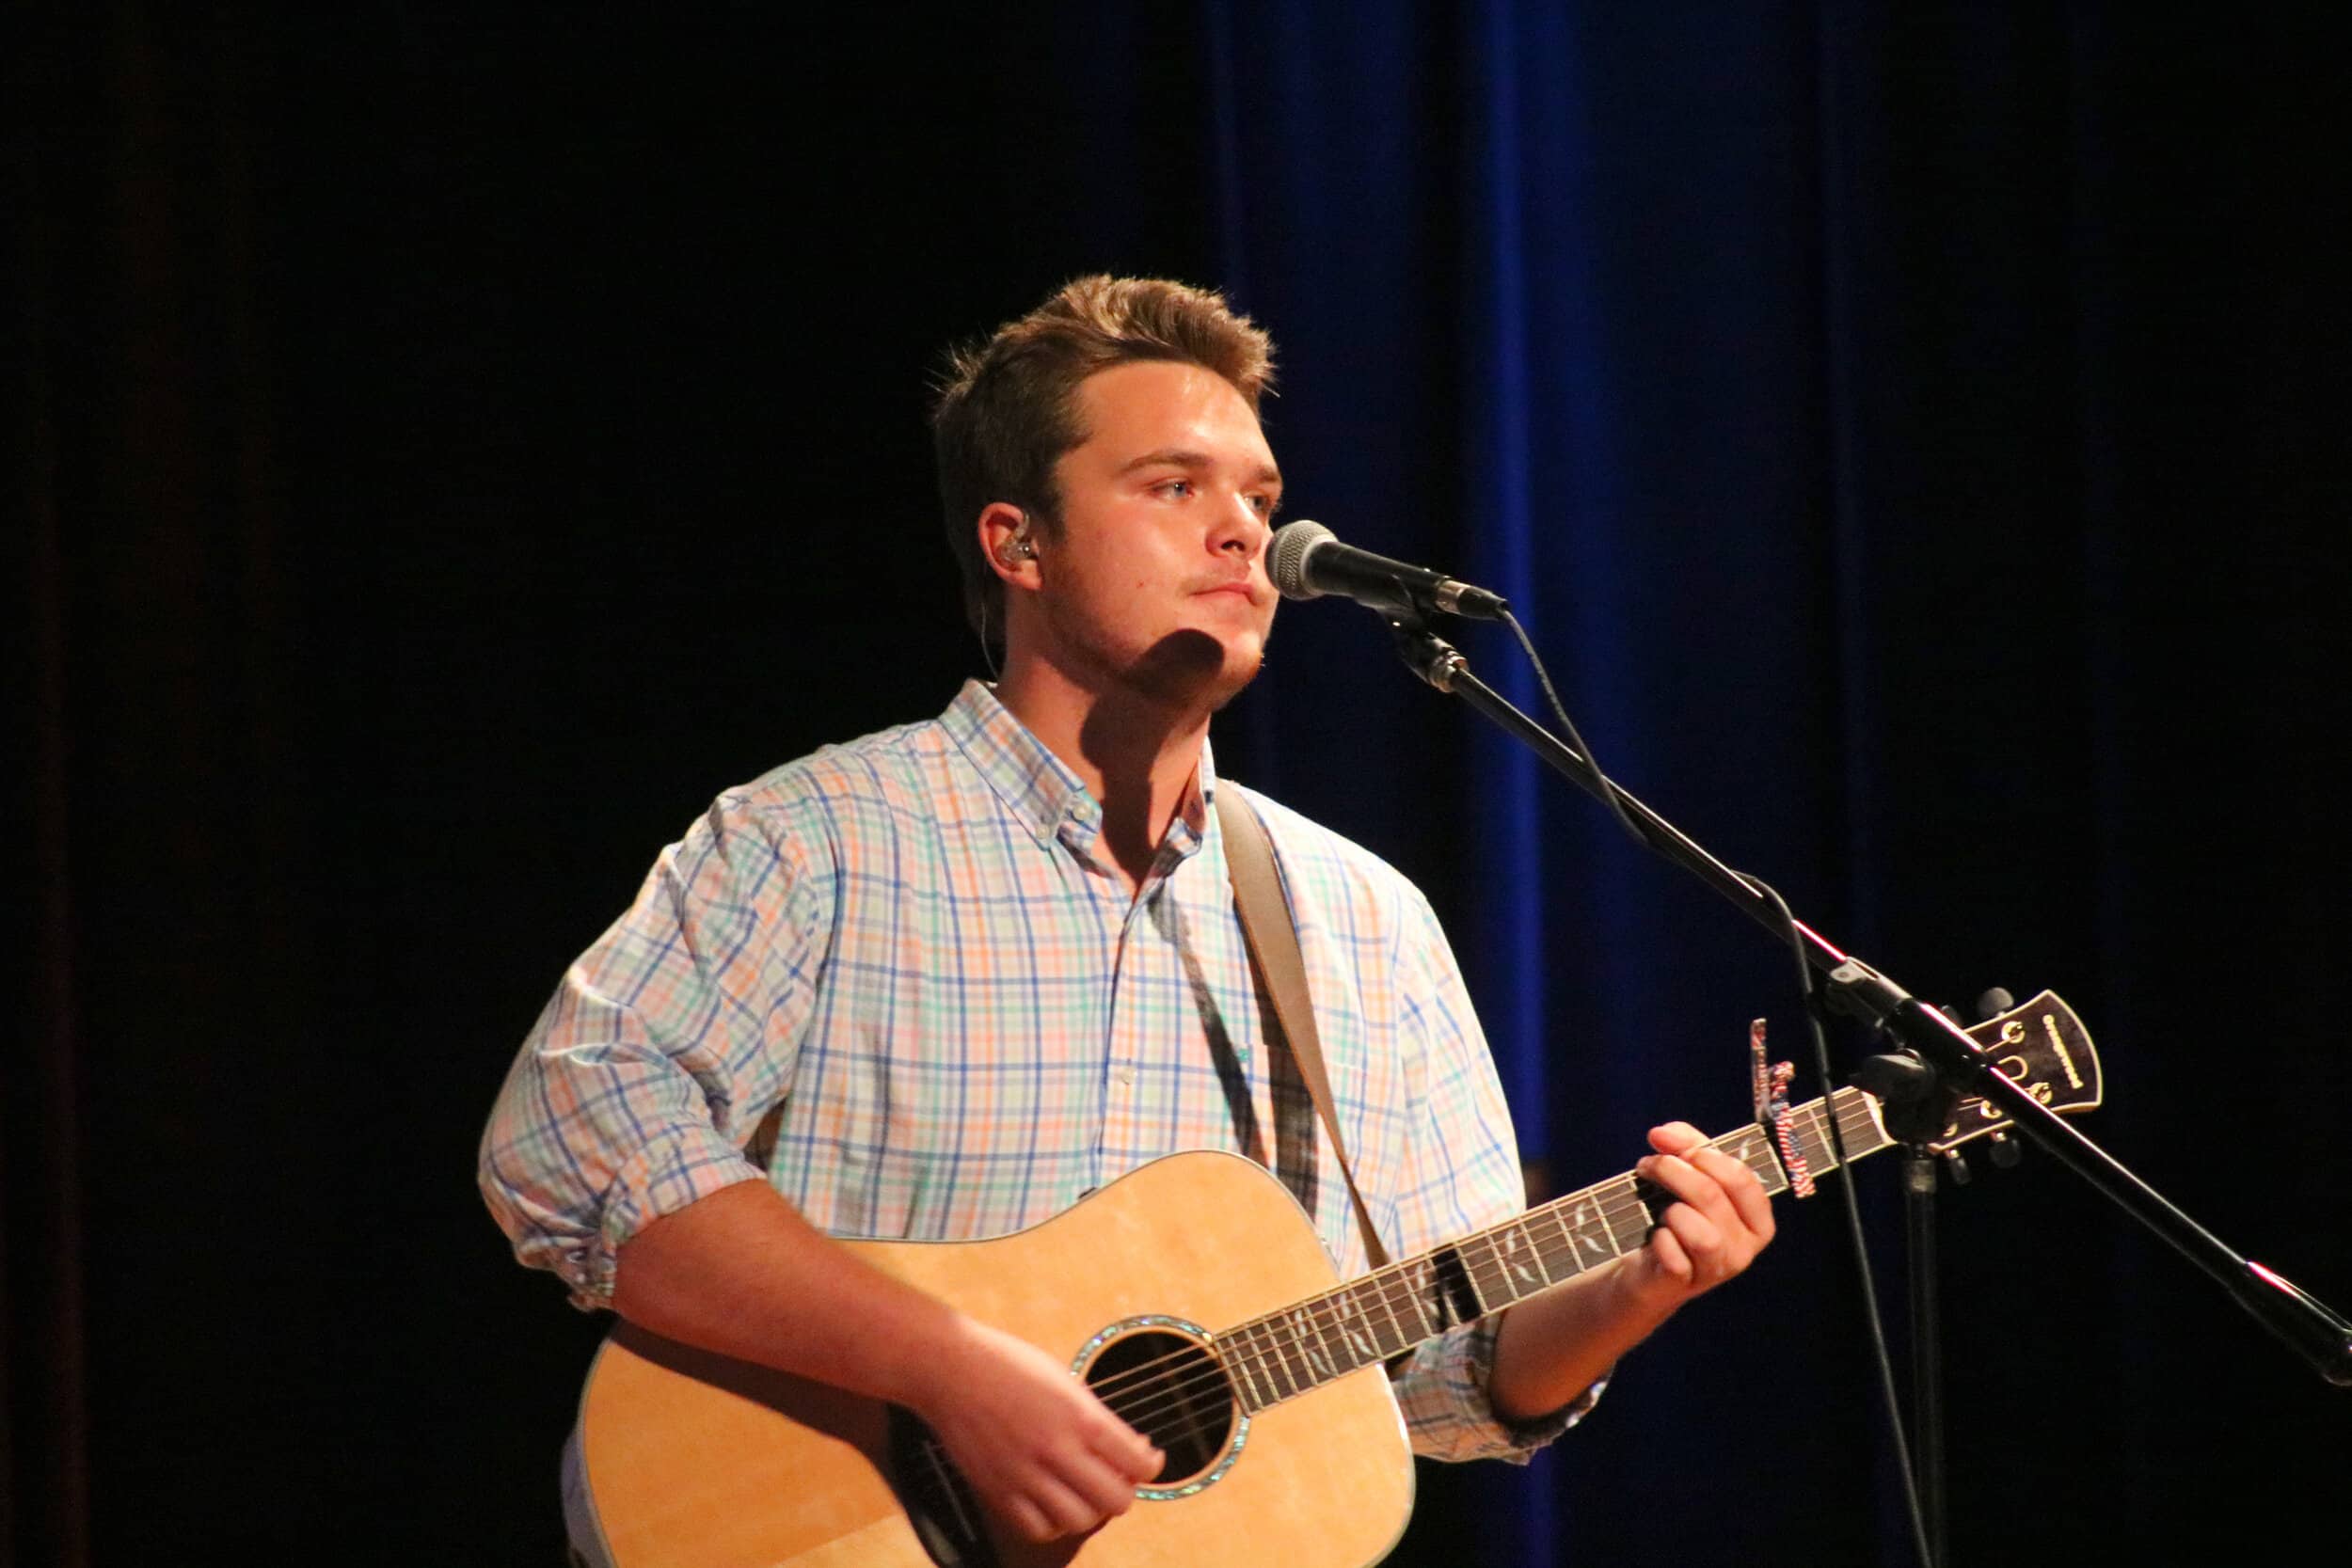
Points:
x=1489, y=1273
x=1617, y=1199
x=1214, y=1369
x=1319, y=1317
x=1496, y=1268
x=1181, y=1399
x=1176, y=1396
x=1180, y=1402
x=1172, y=1393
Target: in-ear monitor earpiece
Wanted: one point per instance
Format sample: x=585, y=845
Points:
x=1016, y=547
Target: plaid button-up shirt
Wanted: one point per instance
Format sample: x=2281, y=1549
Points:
x=899, y=980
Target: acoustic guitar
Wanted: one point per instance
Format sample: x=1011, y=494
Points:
x=1194, y=1296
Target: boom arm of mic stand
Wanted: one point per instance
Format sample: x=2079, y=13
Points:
x=2319, y=1335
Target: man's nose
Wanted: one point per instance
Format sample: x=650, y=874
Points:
x=1240, y=527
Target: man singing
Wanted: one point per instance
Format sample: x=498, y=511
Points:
x=942, y=982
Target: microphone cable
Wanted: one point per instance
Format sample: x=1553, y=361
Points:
x=1822, y=1066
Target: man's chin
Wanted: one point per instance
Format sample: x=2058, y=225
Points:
x=1193, y=670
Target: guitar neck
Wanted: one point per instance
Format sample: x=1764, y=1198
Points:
x=1389, y=1310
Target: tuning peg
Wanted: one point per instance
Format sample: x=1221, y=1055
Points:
x=2005, y=1150
x=1993, y=1003
x=1956, y=1164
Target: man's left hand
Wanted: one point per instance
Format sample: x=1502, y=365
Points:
x=1720, y=1220
x=1551, y=1347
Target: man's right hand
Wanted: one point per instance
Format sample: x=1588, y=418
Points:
x=742, y=1274
x=1043, y=1453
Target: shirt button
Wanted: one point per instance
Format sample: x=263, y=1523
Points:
x=1123, y=1076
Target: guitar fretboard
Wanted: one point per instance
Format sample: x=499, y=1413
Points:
x=1391, y=1310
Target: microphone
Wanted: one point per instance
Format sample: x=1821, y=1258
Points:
x=1307, y=560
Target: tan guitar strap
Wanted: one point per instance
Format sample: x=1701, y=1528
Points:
x=1272, y=935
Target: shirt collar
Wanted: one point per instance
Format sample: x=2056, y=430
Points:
x=1040, y=791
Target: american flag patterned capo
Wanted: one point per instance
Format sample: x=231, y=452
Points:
x=1771, y=1110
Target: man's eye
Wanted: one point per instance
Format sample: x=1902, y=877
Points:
x=1175, y=487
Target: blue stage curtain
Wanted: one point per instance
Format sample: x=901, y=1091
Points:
x=1902, y=430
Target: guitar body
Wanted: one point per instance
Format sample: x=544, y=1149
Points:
x=697, y=1461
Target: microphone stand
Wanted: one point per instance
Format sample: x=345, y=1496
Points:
x=1915, y=1104
x=1927, y=1344
x=2322, y=1337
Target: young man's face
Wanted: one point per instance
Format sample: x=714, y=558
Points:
x=1156, y=582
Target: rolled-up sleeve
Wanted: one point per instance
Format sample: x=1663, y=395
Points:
x=646, y=1076
x=1442, y=1388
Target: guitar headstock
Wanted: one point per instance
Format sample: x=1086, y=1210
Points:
x=2043, y=1047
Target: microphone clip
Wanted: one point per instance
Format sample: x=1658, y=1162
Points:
x=1425, y=653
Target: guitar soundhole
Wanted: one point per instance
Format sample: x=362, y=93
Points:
x=1170, y=1388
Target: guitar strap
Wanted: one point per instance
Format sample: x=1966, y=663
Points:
x=1272, y=936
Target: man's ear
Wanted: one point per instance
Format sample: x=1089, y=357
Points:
x=1009, y=540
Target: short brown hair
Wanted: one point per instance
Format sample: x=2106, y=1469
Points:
x=1007, y=407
